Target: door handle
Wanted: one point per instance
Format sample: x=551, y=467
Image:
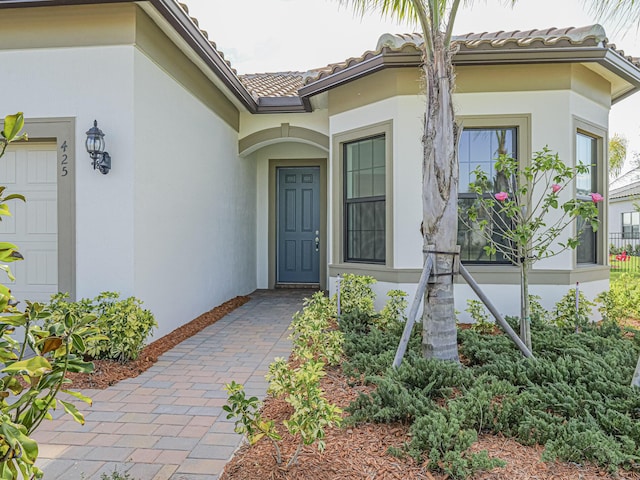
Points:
x=317, y=239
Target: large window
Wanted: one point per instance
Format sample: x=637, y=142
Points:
x=586, y=183
x=631, y=225
x=364, y=200
x=480, y=147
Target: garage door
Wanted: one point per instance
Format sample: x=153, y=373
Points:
x=31, y=169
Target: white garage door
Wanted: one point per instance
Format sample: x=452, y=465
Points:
x=31, y=169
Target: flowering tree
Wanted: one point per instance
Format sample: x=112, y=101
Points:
x=516, y=222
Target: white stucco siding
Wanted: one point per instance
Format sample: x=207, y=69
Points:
x=406, y=113
x=195, y=203
x=616, y=209
x=251, y=123
x=86, y=83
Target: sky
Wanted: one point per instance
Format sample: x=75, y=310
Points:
x=282, y=35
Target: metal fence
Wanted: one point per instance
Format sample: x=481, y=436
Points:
x=624, y=251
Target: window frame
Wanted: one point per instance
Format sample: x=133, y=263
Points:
x=634, y=227
x=348, y=202
x=338, y=251
x=599, y=184
x=521, y=124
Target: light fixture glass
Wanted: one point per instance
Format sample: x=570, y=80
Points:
x=95, y=147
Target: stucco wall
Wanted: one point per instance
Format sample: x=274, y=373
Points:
x=552, y=117
x=86, y=83
x=195, y=203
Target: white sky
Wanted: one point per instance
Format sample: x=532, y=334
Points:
x=280, y=35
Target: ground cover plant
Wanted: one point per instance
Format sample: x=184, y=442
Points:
x=574, y=399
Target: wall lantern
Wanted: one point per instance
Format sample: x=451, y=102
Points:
x=95, y=147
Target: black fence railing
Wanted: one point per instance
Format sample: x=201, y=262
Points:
x=624, y=251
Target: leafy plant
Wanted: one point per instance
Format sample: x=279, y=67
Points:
x=125, y=324
x=574, y=399
x=622, y=300
x=249, y=421
x=480, y=316
x=515, y=221
x=33, y=368
x=115, y=475
x=312, y=413
x=393, y=313
x=356, y=295
x=570, y=315
x=313, y=334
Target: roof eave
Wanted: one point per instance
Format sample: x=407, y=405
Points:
x=606, y=57
x=361, y=69
x=182, y=24
x=283, y=105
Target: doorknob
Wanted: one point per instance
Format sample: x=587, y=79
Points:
x=317, y=239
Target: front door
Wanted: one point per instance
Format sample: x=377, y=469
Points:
x=298, y=253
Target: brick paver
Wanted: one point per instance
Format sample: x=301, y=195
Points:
x=168, y=423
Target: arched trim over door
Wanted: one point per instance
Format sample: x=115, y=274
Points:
x=283, y=133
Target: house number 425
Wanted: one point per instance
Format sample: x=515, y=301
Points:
x=64, y=162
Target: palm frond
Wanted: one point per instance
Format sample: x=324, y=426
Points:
x=621, y=12
x=399, y=10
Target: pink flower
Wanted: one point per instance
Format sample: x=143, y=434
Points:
x=555, y=188
x=596, y=197
x=502, y=196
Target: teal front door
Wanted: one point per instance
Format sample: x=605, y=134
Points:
x=298, y=252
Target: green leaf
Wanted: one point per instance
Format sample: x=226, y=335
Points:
x=78, y=343
x=34, y=367
x=14, y=196
x=71, y=409
x=8, y=272
x=79, y=396
x=12, y=126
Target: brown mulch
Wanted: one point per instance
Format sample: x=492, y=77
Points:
x=361, y=452
x=109, y=372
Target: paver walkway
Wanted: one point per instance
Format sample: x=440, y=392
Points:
x=168, y=423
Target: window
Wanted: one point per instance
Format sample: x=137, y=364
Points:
x=631, y=225
x=364, y=200
x=586, y=183
x=480, y=147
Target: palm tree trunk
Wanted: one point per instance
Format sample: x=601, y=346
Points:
x=439, y=202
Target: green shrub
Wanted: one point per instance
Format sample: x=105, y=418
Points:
x=480, y=316
x=124, y=322
x=313, y=335
x=622, y=300
x=567, y=316
x=356, y=295
x=393, y=313
x=574, y=397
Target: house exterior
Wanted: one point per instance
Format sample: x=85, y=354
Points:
x=624, y=218
x=221, y=184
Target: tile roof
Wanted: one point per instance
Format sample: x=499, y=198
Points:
x=592, y=35
x=205, y=34
x=631, y=190
x=280, y=84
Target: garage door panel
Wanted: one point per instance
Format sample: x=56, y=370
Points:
x=8, y=225
x=42, y=217
x=42, y=167
x=34, y=224
x=8, y=168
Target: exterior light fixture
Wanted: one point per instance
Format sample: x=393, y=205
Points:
x=95, y=147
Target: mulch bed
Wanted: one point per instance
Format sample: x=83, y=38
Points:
x=109, y=372
x=361, y=452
